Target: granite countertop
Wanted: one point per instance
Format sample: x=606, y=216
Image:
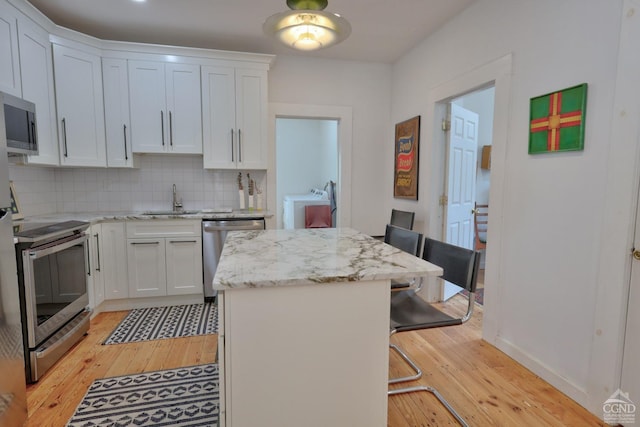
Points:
x=132, y=215
x=270, y=258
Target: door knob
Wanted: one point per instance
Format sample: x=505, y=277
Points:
x=636, y=254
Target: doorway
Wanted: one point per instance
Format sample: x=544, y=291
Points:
x=467, y=173
x=342, y=117
x=307, y=159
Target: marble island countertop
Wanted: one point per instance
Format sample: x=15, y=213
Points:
x=270, y=258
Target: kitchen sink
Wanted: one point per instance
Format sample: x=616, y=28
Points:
x=166, y=213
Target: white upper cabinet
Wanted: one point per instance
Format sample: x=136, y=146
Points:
x=115, y=82
x=9, y=60
x=37, y=87
x=79, y=101
x=234, y=110
x=251, y=118
x=166, y=114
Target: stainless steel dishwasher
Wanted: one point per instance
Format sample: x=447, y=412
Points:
x=214, y=232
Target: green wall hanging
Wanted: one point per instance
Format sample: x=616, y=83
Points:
x=557, y=121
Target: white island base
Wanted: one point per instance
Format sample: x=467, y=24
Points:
x=307, y=355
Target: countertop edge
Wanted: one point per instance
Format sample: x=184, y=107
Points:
x=97, y=217
x=405, y=276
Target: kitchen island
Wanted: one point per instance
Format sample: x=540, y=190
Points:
x=304, y=326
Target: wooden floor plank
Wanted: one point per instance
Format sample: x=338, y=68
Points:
x=487, y=387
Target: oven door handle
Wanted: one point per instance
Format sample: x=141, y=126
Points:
x=39, y=253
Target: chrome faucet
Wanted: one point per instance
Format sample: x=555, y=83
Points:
x=177, y=205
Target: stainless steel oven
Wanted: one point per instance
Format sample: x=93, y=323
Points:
x=52, y=277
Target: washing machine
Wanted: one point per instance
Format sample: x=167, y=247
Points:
x=293, y=207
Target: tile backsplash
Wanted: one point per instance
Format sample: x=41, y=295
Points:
x=47, y=190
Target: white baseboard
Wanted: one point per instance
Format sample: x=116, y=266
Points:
x=563, y=384
x=132, y=303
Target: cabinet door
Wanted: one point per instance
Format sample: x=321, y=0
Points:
x=96, y=285
x=113, y=261
x=37, y=87
x=115, y=81
x=184, y=266
x=218, y=117
x=9, y=61
x=251, y=118
x=147, y=102
x=184, y=108
x=78, y=84
x=146, y=267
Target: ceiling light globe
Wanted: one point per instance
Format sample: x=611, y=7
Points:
x=307, y=29
x=307, y=41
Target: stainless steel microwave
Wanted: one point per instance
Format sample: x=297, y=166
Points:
x=20, y=124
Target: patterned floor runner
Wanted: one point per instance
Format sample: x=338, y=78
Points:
x=176, y=397
x=166, y=322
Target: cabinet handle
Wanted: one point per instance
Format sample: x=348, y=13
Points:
x=162, y=125
x=124, y=130
x=64, y=136
x=98, y=250
x=170, y=129
x=88, y=260
x=183, y=241
x=232, y=158
x=239, y=146
x=33, y=134
x=144, y=243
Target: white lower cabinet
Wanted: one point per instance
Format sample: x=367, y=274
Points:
x=184, y=265
x=107, y=272
x=113, y=260
x=164, y=258
x=147, y=273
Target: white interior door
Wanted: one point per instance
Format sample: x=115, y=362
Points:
x=461, y=182
x=630, y=367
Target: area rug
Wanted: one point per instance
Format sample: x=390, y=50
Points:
x=176, y=397
x=156, y=323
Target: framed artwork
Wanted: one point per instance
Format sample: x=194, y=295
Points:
x=15, y=206
x=407, y=145
x=557, y=120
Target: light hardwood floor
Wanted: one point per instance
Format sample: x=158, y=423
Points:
x=486, y=386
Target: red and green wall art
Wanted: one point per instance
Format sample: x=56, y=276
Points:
x=557, y=121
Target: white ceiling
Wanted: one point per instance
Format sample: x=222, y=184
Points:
x=382, y=30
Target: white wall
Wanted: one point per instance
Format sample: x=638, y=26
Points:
x=546, y=278
x=35, y=189
x=306, y=155
x=366, y=88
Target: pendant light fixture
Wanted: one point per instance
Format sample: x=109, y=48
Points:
x=307, y=26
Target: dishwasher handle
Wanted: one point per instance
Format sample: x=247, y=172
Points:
x=208, y=226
